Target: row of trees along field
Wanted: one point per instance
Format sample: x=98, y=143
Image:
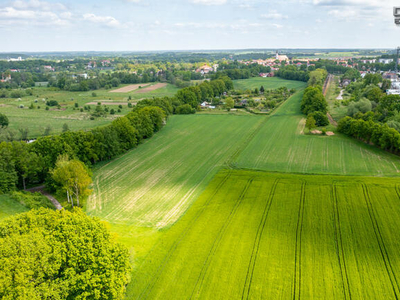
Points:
x=372, y=115
x=314, y=104
x=22, y=164
x=303, y=73
x=46, y=254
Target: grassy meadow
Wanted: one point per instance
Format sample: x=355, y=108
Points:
x=156, y=183
x=267, y=83
x=9, y=207
x=257, y=235
x=281, y=145
x=36, y=120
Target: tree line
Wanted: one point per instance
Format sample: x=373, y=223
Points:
x=380, y=135
x=22, y=163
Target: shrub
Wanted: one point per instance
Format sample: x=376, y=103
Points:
x=185, y=109
x=52, y=103
x=16, y=94
x=31, y=201
x=320, y=118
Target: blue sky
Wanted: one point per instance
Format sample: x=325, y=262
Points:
x=132, y=25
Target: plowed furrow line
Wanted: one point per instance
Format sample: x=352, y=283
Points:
x=339, y=245
x=381, y=243
x=297, y=257
x=158, y=272
x=256, y=246
x=216, y=243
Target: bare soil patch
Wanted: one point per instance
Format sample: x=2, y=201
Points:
x=129, y=88
x=107, y=103
x=152, y=88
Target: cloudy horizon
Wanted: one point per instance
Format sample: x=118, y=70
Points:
x=154, y=25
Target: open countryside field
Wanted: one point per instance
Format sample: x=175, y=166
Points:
x=281, y=145
x=268, y=83
x=151, y=88
x=257, y=235
x=36, y=120
x=156, y=183
x=129, y=88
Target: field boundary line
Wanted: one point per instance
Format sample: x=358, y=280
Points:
x=250, y=137
x=339, y=243
x=179, y=239
x=217, y=241
x=381, y=243
x=257, y=241
x=297, y=256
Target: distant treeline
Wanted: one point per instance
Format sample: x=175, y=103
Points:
x=22, y=163
x=236, y=70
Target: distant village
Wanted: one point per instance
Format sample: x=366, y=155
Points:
x=363, y=65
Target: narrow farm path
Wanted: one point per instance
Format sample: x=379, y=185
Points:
x=40, y=189
x=327, y=83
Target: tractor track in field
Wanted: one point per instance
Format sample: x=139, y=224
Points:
x=217, y=241
x=257, y=241
x=397, y=189
x=179, y=239
x=381, y=243
x=297, y=257
x=339, y=244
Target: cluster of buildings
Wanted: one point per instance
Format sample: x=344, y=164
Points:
x=19, y=58
x=48, y=68
x=5, y=78
x=205, y=69
x=93, y=64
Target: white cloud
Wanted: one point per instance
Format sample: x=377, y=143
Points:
x=343, y=14
x=278, y=26
x=38, y=5
x=10, y=15
x=274, y=15
x=105, y=20
x=66, y=15
x=209, y=2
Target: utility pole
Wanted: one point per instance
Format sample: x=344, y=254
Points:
x=397, y=60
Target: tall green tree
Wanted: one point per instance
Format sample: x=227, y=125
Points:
x=73, y=177
x=313, y=100
x=47, y=254
x=310, y=122
x=229, y=103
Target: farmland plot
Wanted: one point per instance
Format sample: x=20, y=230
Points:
x=267, y=83
x=255, y=235
x=154, y=184
x=282, y=146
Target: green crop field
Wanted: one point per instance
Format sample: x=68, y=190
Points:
x=281, y=145
x=9, y=207
x=267, y=83
x=256, y=235
x=157, y=182
x=36, y=120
